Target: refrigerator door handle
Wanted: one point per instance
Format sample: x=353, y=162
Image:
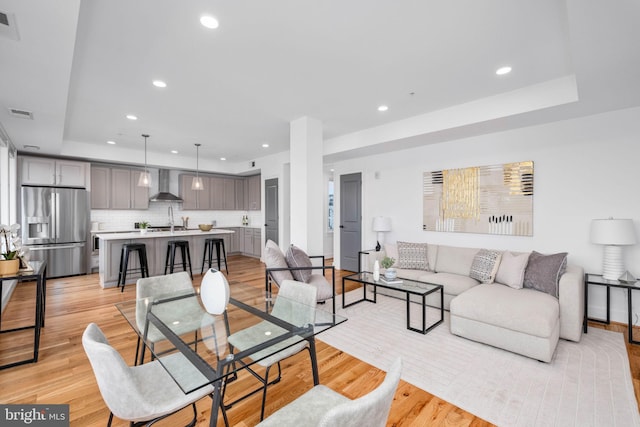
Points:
x=45, y=248
x=56, y=210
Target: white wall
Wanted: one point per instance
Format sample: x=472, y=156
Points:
x=583, y=169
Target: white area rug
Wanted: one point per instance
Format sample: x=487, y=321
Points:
x=586, y=384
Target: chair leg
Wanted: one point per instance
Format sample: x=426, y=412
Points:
x=110, y=419
x=189, y=261
x=266, y=383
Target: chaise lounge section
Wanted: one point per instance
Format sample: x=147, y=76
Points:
x=520, y=302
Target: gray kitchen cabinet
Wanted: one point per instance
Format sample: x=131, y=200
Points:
x=195, y=199
x=257, y=242
x=251, y=243
x=58, y=172
x=241, y=194
x=253, y=193
x=229, y=194
x=216, y=193
x=100, y=178
x=124, y=190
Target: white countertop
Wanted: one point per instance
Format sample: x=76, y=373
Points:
x=106, y=235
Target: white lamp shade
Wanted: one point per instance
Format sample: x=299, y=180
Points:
x=381, y=223
x=196, y=183
x=613, y=232
x=144, y=180
x=214, y=291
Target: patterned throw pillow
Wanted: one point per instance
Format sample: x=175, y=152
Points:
x=485, y=265
x=543, y=272
x=296, y=257
x=412, y=256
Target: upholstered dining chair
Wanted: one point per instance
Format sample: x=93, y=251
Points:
x=191, y=314
x=140, y=394
x=324, y=407
x=300, y=313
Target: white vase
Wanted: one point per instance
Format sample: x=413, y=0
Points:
x=376, y=271
x=143, y=231
x=214, y=291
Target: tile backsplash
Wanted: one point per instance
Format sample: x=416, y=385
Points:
x=157, y=215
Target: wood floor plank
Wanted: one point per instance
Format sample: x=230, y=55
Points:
x=63, y=373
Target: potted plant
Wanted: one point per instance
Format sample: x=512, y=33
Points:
x=387, y=263
x=143, y=225
x=10, y=245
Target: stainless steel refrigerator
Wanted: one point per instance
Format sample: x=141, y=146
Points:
x=54, y=227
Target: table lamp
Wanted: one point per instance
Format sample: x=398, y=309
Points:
x=381, y=224
x=613, y=234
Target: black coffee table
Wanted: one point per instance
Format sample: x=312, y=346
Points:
x=409, y=287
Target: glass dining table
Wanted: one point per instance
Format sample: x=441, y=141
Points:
x=191, y=344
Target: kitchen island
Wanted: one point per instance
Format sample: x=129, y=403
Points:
x=156, y=243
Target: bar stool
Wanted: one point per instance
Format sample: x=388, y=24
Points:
x=171, y=256
x=127, y=249
x=208, y=247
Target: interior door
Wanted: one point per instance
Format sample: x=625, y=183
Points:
x=350, y=220
x=271, y=209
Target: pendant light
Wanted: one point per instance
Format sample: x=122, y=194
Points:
x=145, y=177
x=196, y=183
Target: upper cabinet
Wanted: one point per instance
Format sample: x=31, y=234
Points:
x=55, y=172
x=253, y=193
x=117, y=188
x=221, y=193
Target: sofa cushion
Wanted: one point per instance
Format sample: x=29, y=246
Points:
x=485, y=265
x=452, y=284
x=511, y=269
x=274, y=258
x=418, y=275
x=323, y=286
x=543, y=272
x=412, y=256
x=523, y=310
x=296, y=257
x=455, y=260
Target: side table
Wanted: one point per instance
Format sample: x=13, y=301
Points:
x=598, y=280
x=39, y=275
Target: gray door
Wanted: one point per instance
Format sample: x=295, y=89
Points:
x=350, y=220
x=271, y=209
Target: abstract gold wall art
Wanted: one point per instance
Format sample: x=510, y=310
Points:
x=494, y=199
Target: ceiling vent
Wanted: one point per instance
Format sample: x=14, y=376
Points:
x=8, y=27
x=23, y=114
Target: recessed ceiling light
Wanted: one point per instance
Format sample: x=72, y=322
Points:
x=209, y=21
x=111, y=142
x=132, y=117
x=159, y=83
x=223, y=158
x=383, y=108
x=265, y=145
x=174, y=151
x=503, y=70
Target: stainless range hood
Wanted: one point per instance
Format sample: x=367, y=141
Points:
x=164, y=195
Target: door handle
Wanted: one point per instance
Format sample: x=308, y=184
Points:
x=342, y=226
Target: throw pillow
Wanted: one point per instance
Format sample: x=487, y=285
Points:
x=485, y=265
x=543, y=272
x=274, y=258
x=412, y=256
x=511, y=270
x=296, y=257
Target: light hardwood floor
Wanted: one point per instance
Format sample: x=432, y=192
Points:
x=63, y=373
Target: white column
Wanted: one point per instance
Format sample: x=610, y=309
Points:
x=307, y=204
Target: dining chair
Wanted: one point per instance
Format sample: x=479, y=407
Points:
x=140, y=394
x=190, y=313
x=296, y=304
x=324, y=407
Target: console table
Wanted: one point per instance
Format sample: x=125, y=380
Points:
x=598, y=280
x=38, y=274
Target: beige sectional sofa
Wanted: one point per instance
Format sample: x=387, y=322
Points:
x=540, y=300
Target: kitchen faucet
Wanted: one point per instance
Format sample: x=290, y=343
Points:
x=170, y=214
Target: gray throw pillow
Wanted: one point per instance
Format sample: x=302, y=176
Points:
x=543, y=272
x=274, y=258
x=412, y=256
x=296, y=257
x=485, y=265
